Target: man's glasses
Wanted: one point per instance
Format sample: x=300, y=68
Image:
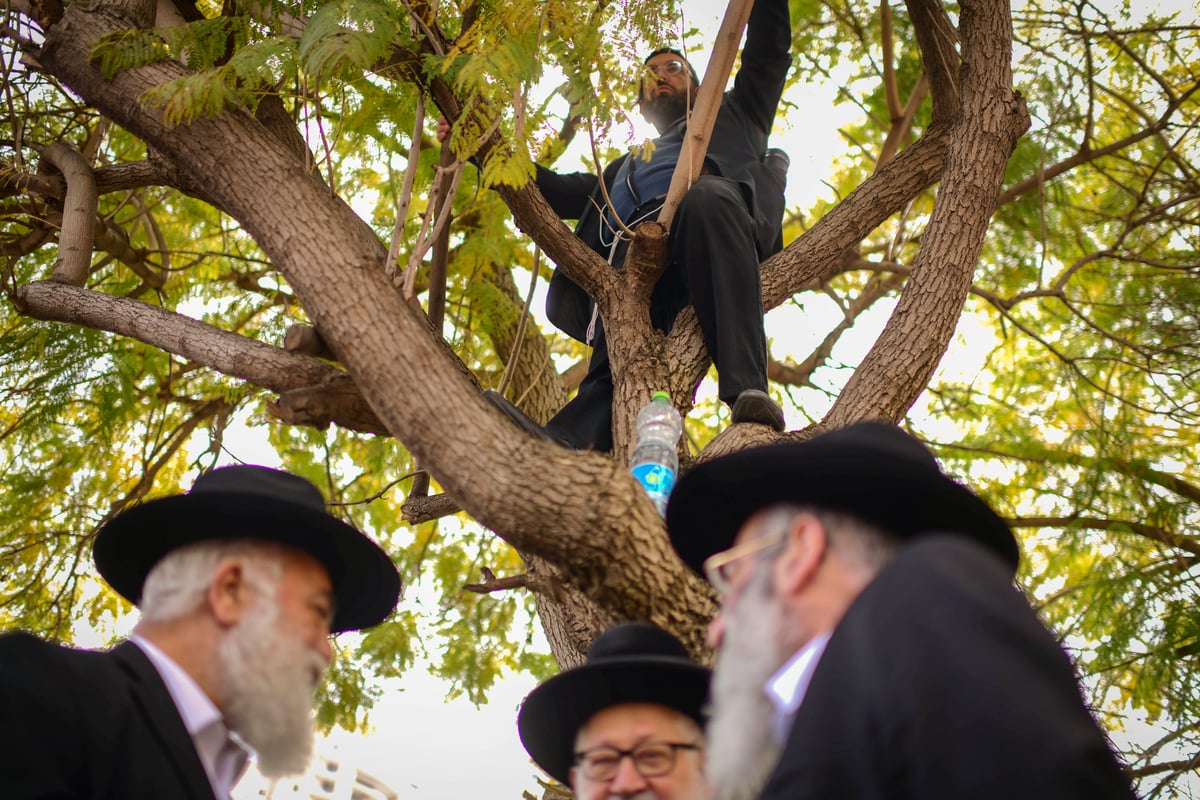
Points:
x=718, y=567
x=651, y=759
x=672, y=67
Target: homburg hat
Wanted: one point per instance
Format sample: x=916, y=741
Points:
x=252, y=502
x=872, y=470
x=634, y=662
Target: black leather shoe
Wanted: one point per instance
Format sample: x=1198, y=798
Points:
x=757, y=406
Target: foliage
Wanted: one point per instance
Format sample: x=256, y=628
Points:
x=1070, y=400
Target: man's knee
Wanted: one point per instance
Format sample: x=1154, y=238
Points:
x=714, y=198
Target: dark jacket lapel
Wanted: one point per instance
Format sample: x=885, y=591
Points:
x=156, y=705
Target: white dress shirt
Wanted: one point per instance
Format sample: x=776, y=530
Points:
x=221, y=752
x=787, y=687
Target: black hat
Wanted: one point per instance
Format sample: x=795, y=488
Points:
x=872, y=470
x=249, y=502
x=634, y=662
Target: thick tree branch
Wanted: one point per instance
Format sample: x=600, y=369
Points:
x=247, y=359
x=938, y=39
x=79, y=215
x=991, y=119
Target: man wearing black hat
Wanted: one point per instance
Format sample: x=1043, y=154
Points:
x=871, y=642
x=625, y=724
x=240, y=583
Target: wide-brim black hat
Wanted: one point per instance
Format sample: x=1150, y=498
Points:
x=872, y=470
x=634, y=662
x=251, y=502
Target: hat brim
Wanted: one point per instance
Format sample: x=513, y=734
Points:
x=553, y=713
x=862, y=472
x=366, y=585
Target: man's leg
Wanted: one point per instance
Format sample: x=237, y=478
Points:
x=586, y=421
x=713, y=251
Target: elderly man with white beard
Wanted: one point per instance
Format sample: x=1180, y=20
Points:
x=240, y=583
x=871, y=644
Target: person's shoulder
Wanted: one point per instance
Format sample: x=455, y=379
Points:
x=940, y=570
x=17, y=644
x=20, y=650
x=945, y=554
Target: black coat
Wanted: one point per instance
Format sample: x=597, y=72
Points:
x=940, y=683
x=91, y=725
x=735, y=151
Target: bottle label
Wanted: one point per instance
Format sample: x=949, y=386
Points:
x=656, y=479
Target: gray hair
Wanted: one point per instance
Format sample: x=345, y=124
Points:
x=177, y=584
x=852, y=537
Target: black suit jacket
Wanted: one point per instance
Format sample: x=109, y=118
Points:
x=735, y=151
x=940, y=682
x=95, y=725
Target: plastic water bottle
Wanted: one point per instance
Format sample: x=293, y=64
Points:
x=655, y=461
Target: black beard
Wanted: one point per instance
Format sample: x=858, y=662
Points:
x=660, y=110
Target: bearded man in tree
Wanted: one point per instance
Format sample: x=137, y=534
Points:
x=240, y=583
x=871, y=644
x=729, y=220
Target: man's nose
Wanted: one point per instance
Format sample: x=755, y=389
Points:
x=325, y=648
x=716, y=631
x=627, y=780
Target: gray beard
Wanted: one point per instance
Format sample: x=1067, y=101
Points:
x=268, y=682
x=742, y=750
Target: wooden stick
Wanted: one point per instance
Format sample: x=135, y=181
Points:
x=708, y=103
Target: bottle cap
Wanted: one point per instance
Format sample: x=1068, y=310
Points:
x=661, y=396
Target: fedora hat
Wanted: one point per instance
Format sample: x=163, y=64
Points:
x=872, y=470
x=251, y=502
x=634, y=662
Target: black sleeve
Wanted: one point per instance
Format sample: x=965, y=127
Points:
x=567, y=194
x=766, y=57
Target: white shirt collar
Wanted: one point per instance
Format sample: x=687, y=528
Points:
x=787, y=687
x=202, y=719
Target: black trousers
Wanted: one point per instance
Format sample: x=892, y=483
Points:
x=713, y=264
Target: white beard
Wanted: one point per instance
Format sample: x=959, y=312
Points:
x=742, y=749
x=268, y=678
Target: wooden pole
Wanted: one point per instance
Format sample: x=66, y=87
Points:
x=708, y=102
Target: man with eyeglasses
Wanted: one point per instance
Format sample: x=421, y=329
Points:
x=870, y=641
x=729, y=221
x=626, y=723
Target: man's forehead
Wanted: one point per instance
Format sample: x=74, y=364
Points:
x=631, y=721
x=662, y=58
x=751, y=528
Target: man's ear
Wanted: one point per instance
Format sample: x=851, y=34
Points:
x=228, y=595
x=571, y=779
x=804, y=549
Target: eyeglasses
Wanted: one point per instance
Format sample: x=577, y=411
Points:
x=650, y=759
x=717, y=567
x=672, y=67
